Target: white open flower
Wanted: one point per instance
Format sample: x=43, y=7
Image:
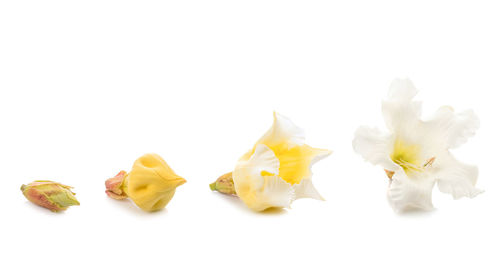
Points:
x=277, y=170
x=415, y=153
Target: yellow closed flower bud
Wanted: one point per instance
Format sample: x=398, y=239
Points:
x=150, y=184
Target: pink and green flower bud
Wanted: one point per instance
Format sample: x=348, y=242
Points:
x=116, y=186
x=51, y=195
x=224, y=184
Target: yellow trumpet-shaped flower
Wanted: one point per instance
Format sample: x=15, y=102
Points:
x=277, y=170
x=150, y=184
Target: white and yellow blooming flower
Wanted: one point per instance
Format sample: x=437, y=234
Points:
x=277, y=170
x=415, y=153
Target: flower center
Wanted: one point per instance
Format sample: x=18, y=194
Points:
x=407, y=156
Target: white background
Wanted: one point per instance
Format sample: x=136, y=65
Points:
x=88, y=87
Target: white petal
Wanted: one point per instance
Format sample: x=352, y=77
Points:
x=453, y=129
x=263, y=159
x=402, y=90
x=248, y=173
x=374, y=146
x=456, y=178
x=276, y=193
x=306, y=189
x=321, y=154
x=283, y=130
x=401, y=113
x=257, y=191
x=406, y=193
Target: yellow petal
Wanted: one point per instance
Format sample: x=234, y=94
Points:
x=295, y=162
x=152, y=183
x=286, y=140
x=278, y=168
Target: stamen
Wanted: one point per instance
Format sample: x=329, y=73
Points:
x=408, y=165
x=430, y=162
x=389, y=173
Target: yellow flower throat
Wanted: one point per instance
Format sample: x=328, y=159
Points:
x=408, y=157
